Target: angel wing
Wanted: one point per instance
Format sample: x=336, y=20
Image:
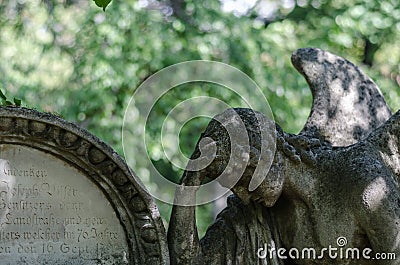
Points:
x=386, y=141
x=347, y=104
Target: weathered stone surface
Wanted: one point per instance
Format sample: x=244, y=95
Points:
x=67, y=198
x=51, y=212
x=347, y=104
x=338, y=181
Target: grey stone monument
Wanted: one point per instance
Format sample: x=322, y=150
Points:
x=68, y=198
x=335, y=185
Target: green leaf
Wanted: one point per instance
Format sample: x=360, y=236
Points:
x=102, y=3
x=2, y=96
x=9, y=103
x=17, y=102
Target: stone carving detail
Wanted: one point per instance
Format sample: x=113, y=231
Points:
x=334, y=184
x=347, y=104
x=133, y=206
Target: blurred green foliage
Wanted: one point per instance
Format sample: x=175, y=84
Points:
x=70, y=57
x=4, y=101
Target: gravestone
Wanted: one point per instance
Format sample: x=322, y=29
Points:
x=68, y=198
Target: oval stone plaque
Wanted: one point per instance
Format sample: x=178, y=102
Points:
x=67, y=198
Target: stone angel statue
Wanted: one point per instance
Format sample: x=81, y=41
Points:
x=331, y=195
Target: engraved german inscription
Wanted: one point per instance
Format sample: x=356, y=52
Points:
x=52, y=213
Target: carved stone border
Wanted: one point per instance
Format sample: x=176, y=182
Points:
x=134, y=207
